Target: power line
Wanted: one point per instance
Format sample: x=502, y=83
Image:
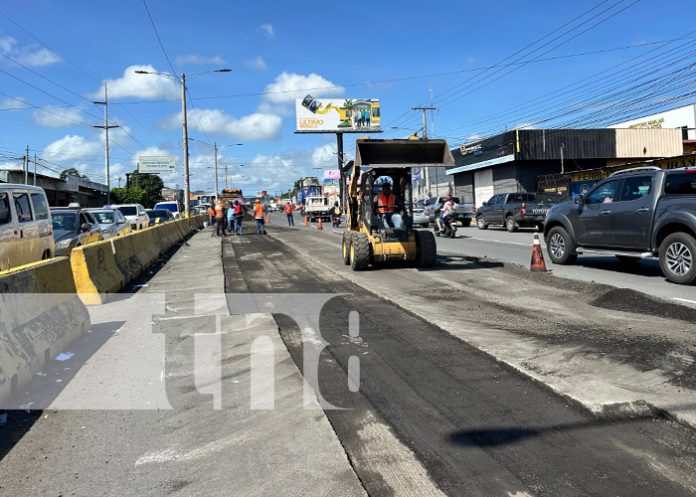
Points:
x=159, y=40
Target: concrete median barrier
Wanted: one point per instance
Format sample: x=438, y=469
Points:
x=103, y=268
x=41, y=316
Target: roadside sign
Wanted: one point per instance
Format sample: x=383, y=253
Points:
x=156, y=164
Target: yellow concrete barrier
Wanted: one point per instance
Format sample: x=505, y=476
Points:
x=40, y=316
x=106, y=267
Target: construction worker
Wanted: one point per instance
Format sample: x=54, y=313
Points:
x=386, y=206
x=219, y=219
x=259, y=216
x=288, y=212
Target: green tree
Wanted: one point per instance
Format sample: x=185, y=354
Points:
x=151, y=184
x=71, y=171
x=132, y=195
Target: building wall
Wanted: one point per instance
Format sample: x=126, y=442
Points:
x=505, y=178
x=546, y=144
x=682, y=117
x=648, y=143
x=464, y=187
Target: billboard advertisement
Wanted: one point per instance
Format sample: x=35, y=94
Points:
x=332, y=174
x=336, y=115
x=155, y=164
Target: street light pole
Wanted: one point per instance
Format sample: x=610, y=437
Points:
x=184, y=123
x=217, y=188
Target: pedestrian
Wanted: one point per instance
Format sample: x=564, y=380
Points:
x=230, y=218
x=219, y=219
x=238, y=217
x=288, y=212
x=211, y=214
x=259, y=216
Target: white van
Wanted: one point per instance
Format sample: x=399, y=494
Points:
x=171, y=206
x=26, y=234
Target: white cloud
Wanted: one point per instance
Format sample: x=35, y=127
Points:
x=325, y=156
x=289, y=86
x=13, y=103
x=257, y=64
x=145, y=86
x=267, y=30
x=29, y=55
x=256, y=126
x=194, y=59
x=71, y=147
x=58, y=117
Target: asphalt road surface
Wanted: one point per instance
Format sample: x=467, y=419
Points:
x=478, y=427
x=497, y=244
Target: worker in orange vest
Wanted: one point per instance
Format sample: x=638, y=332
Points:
x=220, y=219
x=259, y=216
x=386, y=206
x=288, y=212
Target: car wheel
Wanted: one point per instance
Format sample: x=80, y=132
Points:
x=425, y=225
x=510, y=224
x=426, y=249
x=466, y=222
x=678, y=258
x=560, y=246
x=481, y=224
x=360, y=252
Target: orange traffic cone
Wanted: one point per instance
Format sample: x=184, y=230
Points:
x=306, y=220
x=320, y=224
x=538, y=264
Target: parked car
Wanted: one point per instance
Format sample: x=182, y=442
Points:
x=111, y=222
x=635, y=213
x=171, y=206
x=513, y=210
x=73, y=227
x=464, y=212
x=135, y=214
x=420, y=218
x=25, y=226
x=159, y=216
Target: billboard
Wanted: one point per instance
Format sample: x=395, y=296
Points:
x=332, y=174
x=336, y=115
x=156, y=164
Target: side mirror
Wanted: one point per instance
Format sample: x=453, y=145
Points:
x=579, y=199
x=86, y=227
x=485, y=203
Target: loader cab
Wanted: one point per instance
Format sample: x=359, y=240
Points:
x=371, y=187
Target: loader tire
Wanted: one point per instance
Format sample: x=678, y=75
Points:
x=360, y=252
x=345, y=246
x=426, y=249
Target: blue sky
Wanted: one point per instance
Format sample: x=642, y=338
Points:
x=399, y=52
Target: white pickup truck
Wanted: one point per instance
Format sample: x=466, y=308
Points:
x=317, y=207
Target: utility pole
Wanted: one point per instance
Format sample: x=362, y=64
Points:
x=226, y=174
x=119, y=181
x=217, y=189
x=184, y=123
x=26, y=166
x=424, y=130
x=34, y=169
x=562, y=165
x=106, y=127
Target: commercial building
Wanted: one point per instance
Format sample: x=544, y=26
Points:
x=515, y=160
x=60, y=192
x=683, y=118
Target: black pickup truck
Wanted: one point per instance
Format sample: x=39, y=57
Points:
x=512, y=210
x=636, y=213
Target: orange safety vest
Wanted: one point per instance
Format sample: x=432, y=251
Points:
x=385, y=204
x=258, y=211
x=218, y=212
x=288, y=209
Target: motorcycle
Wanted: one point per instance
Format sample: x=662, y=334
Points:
x=444, y=229
x=335, y=220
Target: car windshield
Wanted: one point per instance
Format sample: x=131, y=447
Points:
x=104, y=217
x=64, y=221
x=167, y=207
x=129, y=211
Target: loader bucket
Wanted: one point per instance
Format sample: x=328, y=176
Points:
x=402, y=153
